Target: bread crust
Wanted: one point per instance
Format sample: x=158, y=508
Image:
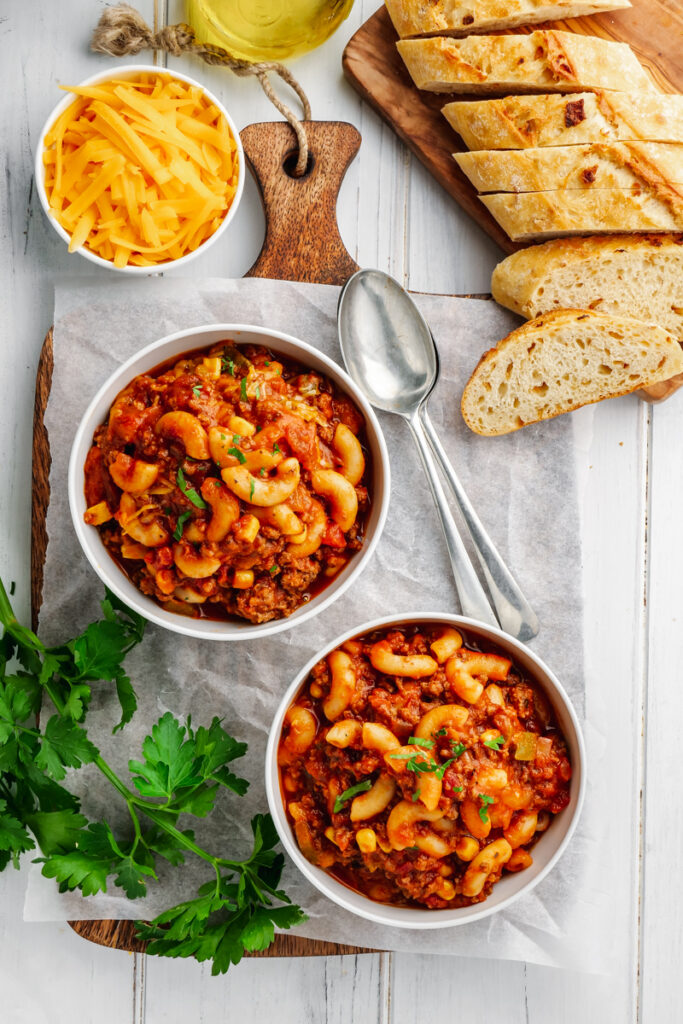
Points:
x=526, y=216
x=516, y=280
x=543, y=61
x=652, y=165
x=522, y=122
x=667, y=361
x=463, y=17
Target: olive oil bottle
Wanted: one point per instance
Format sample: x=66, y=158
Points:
x=266, y=29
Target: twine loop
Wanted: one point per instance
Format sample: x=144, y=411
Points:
x=122, y=32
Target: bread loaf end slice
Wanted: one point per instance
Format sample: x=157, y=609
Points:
x=561, y=361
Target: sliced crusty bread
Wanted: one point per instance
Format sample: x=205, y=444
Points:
x=539, y=62
x=638, y=276
x=631, y=165
x=522, y=122
x=561, y=361
x=527, y=216
x=461, y=17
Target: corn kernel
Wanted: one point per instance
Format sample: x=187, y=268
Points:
x=315, y=690
x=367, y=840
x=446, y=890
x=244, y=578
x=330, y=834
x=445, y=870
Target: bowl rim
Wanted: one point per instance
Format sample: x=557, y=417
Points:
x=108, y=571
x=416, y=919
x=39, y=169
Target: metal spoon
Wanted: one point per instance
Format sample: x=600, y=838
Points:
x=390, y=353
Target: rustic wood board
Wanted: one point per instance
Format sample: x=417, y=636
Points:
x=302, y=244
x=371, y=62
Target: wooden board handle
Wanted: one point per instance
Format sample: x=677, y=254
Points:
x=302, y=240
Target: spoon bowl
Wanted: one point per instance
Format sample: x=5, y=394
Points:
x=386, y=343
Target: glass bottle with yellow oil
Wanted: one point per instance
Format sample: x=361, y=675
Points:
x=266, y=29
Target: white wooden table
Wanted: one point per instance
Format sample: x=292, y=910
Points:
x=393, y=216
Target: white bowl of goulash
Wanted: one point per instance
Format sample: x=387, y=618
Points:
x=139, y=168
x=425, y=771
x=228, y=482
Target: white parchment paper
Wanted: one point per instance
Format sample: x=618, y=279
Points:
x=524, y=487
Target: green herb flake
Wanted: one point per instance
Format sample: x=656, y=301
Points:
x=443, y=731
x=262, y=471
x=267, y=362
x=273, y=570
x=417, y=741
x=483, y=810
x=240, y=456
x=236, y=438
x=243, y=390
x=277, y=450
x=228, y=366
x=495, y=744
x=458, y=748
x=257, y=391
x=348, y=794
x=457, y=789
x=197, y=390
x=441, y=770
x=251, y=490
x=217, y=483
x=189, y=492
x=182, y=519
x=416, y=795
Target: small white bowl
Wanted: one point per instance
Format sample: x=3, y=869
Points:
x=125, y=72
x=548, y=848
x=150, y=357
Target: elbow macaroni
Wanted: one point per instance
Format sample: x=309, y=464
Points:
x=413, y=793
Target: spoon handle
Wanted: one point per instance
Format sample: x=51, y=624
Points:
x=514, y=611
x=473, y=599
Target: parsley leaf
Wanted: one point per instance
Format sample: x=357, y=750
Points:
x=443, y=731
x=277, y=450
x=251, y=489
x=197, y=390
x=243, y=390
x=240, y=456
x=458, y=748
x=189, y=492
x=417, y=741
x=182, y=519
x=416, y=795
x=348, y=794
x=483, y=810
x=495, y=744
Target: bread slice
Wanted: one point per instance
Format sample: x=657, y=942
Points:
x=631, y=165
x=462, y=17
x=639, y=276
x=539, y=62
x=522, y=122
x=561, y=361
x=528, y=216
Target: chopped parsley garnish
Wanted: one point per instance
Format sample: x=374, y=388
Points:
x=243, y=389
x=272, y=570
x=416, y=795
x=419, y=765
x=262, y=471
x=257, y=391
x=240, y=456
x=197, y=390
x=495, y=744
x=277, y=450
x=216, y=483
x=251, y=490
x=182, y=519
x=189, y=492
x=348, y=794
x=443, y=731
x=458, y=748
x=483, y=810
x=267, y=362
x=228, y=365
x=417, y=741
x=457, y=789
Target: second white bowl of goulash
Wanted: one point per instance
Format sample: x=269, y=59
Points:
x=432, y=822
x=179, y=542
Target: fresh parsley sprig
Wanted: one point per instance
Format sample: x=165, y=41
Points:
x=181, y=771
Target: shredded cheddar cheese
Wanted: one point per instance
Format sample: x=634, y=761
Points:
x=140, y=172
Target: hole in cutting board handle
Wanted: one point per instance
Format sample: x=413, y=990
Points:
x=289, y=165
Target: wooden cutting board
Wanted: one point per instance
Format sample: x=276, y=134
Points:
x=371, y=62
x=302, y=243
